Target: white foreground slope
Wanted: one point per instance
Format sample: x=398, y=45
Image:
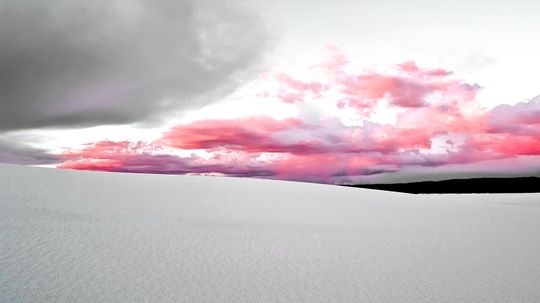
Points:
x=68, y=236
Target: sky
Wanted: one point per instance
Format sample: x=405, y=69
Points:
x=325, y=91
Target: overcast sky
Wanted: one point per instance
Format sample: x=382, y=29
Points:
x=325, y=91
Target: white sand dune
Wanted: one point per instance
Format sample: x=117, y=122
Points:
x=69, y=236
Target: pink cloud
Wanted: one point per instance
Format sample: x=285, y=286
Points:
x=522, y=118
x=121, y=157
x=413, y=69
x=255, y=134
x=439, y=124
x=321, y=167
x=506, y=144
x=409, y=86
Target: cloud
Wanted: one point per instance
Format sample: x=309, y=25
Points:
x=511, y=130
x=138, y=157
x=293, y=135
x=81, y=63
x=410, y=67
x=409, y=86
x=254, y=134
x=448, y=128
x=20, y=153
x=522, y=118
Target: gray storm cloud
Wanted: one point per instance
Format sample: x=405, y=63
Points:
x=20, y=153
x=82, y=63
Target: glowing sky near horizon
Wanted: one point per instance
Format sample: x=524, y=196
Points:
x=337, y=94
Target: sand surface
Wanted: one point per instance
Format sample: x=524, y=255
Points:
x=70, y=236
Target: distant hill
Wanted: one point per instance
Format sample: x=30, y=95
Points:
x=463, y=186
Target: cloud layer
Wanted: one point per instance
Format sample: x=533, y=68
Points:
x=437, y=123
x=20, y=153
x=73, y=63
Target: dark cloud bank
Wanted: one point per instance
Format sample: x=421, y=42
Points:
x=20, y=153
x=82, y=63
